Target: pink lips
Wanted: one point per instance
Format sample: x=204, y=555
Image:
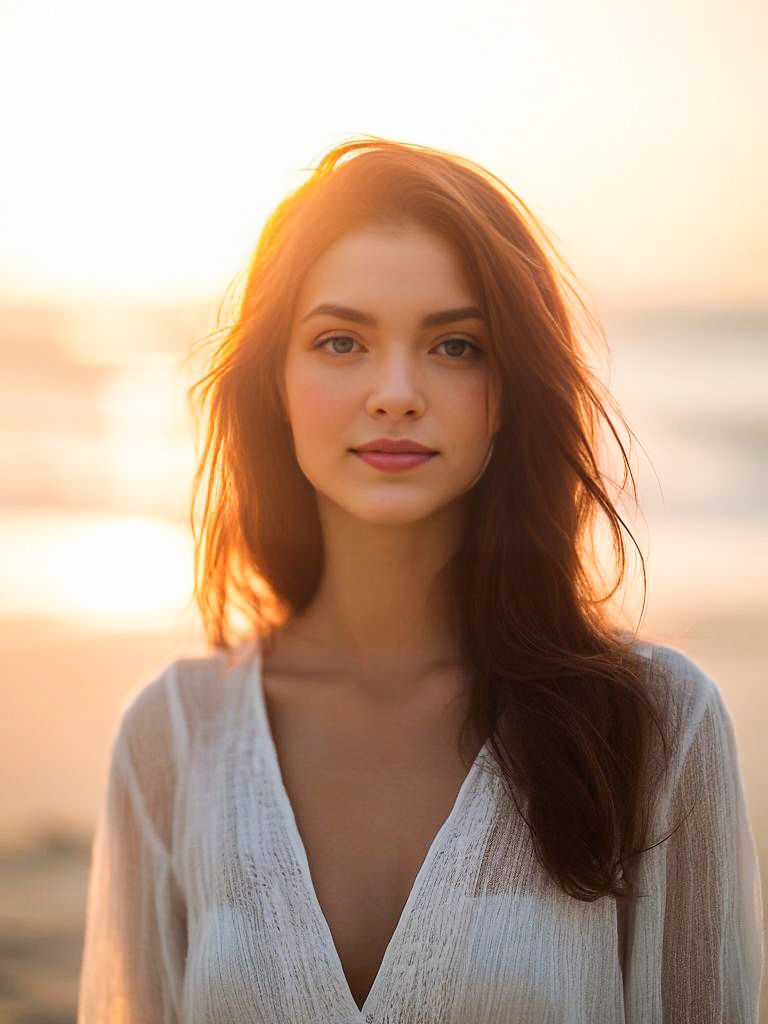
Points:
x=394, y=462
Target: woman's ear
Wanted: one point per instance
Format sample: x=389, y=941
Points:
x=282, y=401
x=495, y=410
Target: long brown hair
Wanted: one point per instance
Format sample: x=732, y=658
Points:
x=557, y=685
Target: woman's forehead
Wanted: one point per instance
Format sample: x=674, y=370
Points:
x=368, y=269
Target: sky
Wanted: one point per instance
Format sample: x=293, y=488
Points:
x=145, y=143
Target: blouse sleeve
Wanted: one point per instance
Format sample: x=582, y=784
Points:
x=711, y=946
x=135, y=927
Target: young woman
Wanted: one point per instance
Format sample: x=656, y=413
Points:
x=427, y=778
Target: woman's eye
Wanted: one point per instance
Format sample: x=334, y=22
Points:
x=348, y=342
x=336, y=337
x=461, y=341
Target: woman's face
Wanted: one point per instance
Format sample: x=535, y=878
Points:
x=349, y=381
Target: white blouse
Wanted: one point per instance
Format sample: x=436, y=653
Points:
x=201, y=908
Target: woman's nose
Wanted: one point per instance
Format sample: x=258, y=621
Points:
x=396, y=386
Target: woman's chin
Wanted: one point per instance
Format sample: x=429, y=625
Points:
x=390, y=510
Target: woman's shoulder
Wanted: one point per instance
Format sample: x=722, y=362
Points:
x=171, y=700
x=671, y=670
x=685, y=693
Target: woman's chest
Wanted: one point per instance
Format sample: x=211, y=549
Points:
x=350, y=874
x=368, y=797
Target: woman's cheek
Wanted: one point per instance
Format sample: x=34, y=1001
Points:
x=469, y=405
x=315, y=401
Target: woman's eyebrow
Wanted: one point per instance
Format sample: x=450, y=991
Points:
x=430, y=320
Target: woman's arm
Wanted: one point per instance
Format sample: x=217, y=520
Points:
x=691, y=943
x=712, y=941
x=135, y=929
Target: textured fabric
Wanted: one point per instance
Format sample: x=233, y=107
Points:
x=201, y=907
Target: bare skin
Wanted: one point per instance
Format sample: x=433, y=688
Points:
x=364, y=689
x=369, y=788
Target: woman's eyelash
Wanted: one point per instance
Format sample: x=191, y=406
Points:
x=465, y=341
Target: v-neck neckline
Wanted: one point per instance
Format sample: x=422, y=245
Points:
x=301, y=852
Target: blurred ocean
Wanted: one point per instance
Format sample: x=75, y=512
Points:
x=695, y=387
x=96, y=461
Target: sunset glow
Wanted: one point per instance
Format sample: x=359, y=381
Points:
x=126, y=573
x=146, y=144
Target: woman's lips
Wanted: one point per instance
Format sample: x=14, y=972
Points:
x=394, y=462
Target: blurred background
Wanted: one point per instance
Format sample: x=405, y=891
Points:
x=143, y=147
